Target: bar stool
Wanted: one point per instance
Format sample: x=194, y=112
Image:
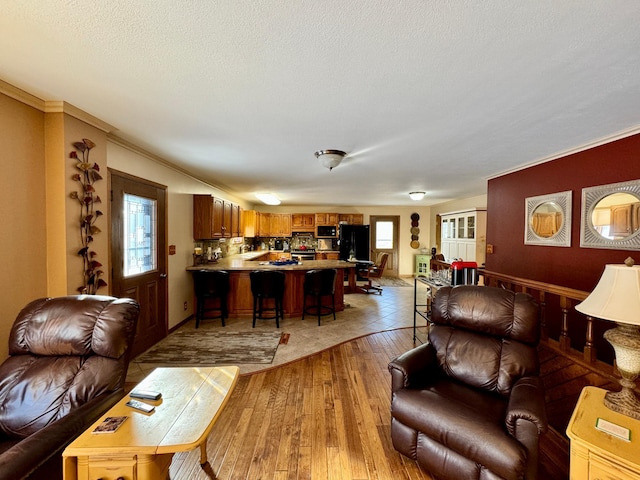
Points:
x=320, y=283
x=267, y=284
x=210, y=285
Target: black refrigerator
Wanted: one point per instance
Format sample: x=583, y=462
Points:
x=354, y=241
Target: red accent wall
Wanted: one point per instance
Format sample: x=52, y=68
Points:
x=573, y=266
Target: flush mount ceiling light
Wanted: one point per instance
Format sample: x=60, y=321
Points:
x=268, y=198
x=330, y=158
x=416, y=195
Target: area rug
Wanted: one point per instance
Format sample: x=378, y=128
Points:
x=392, y=282
x=200, y=347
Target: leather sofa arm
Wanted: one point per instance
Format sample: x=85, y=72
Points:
x=36, y=450
x=412, y=369
x=526, y=403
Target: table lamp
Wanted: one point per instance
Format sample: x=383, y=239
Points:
x=617, y=298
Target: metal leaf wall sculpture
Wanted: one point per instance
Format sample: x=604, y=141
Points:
x=87, y=199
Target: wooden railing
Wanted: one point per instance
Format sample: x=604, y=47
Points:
x=568, y=298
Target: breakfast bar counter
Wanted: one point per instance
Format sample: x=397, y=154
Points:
x=240, y=299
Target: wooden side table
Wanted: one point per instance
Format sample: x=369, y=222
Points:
x=596, y=455
x=143, y=447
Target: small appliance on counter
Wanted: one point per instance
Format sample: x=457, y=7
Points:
x=278, y=245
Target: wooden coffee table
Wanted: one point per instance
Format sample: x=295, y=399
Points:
x=143, y=446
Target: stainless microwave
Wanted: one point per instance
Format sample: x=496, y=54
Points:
x=326, y=231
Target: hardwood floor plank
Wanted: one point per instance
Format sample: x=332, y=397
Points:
x=322, y=417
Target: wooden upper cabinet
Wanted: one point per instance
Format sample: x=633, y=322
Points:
x=236, y=221
x=326, y=218
x=285, y=225
x=202, y=217
x=249, y=223
x=218, y=217
x=227, y=208
x=279, y=225
x=352, y=218
x=303, y=222
x=274, y=225
x=214, y=218
x=263, y=227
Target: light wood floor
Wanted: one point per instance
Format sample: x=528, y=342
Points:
x=322, y=417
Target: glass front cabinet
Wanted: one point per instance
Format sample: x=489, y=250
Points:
x=463, y=235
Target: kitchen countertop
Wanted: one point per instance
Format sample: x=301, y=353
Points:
x=249, y=261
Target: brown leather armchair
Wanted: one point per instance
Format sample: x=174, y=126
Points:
x=67, y=365
x=469, y=403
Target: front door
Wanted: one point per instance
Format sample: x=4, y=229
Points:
x=138, y=253
x=384, y=238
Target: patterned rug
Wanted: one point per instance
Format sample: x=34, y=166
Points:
x=200, y=347
x=393, y=282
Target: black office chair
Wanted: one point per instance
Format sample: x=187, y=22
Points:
x=320, y=283
x=211, y=285
x=267, y=284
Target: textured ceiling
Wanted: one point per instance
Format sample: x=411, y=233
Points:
x=423, y=95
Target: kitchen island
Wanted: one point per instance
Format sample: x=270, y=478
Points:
x=240, y=300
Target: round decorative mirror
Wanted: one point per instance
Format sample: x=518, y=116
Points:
x=547, y=219
x=616, y=216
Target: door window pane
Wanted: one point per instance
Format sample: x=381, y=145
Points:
x=140, y=242
x=384, y=235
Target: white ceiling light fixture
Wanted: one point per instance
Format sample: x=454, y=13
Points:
x=417, y=195
x=330, y=158
x=268, y=198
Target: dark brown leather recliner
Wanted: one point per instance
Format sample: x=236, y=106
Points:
x=469, y=404
x=67, y=366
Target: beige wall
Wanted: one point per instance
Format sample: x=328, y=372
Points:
x=180, y=190
x=23, y=240
x=479, y=201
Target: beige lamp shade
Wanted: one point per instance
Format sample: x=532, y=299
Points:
x=616, y=296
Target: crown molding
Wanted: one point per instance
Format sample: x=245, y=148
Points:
x=22, y=96
x=60, y=106
x=587, y=146
x=54, y=106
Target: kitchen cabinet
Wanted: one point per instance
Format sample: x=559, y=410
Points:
x=202, y=217
x=279, y=225
x=263, y=224
x=255, y=224
x=463, y=235
x=260, y=224
x=218, y=214
x=213, y=217
x=249, y=223
x=275, y=256
x=327, y=255
x=236, y=221
x=351, y=218
x=326, y=219
x=303, y=222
